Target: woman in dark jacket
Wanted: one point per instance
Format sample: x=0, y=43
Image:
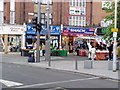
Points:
x=110, y=48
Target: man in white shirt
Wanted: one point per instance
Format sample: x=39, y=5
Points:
x=89, y=47
x=93, y=50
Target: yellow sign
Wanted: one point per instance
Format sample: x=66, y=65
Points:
x=114, y=30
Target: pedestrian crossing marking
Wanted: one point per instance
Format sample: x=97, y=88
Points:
x=10, y=83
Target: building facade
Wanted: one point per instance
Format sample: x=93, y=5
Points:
x=16, y=12
x=80, y=13
x=72, y=13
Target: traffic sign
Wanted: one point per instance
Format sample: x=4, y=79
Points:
x=114, y=30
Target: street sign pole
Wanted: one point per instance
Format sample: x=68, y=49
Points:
x=60, y=47
x=47, y=43
x=38, y=32
x=114, y=38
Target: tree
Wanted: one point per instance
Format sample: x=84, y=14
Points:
x=111, y=10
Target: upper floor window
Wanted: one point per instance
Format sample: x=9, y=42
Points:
x=77, y=21
x=46, y=1
x=78, y=3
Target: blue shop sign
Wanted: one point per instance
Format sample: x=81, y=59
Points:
x=30, y=28
x=78, y=30
x=54, y=30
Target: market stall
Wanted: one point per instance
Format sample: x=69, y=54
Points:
x=99, y=54
x=102, y=55
x=82, y=44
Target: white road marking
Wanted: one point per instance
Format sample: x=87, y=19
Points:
x=57, y=58
x=10, y=83
x=42, y=84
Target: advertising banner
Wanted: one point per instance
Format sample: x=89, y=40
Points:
x=70, y=30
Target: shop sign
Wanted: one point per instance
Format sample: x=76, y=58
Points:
x=105, y=30
x=12, y=30
x=54, y=30
x=106, y=4
x=78, y=30
x=77, y=11
x=30, y=28
x=114, y=30
x=1, y=29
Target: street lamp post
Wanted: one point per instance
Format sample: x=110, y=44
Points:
x=38, y=33
x=114, y=38
x=47, y=43
x=60, y=46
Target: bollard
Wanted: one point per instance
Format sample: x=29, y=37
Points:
x=76, y=64
x=88, y=64
x=76, y=61
x=110, y=65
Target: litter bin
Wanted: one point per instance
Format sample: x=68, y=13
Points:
x=88, y=64
x=31, y=57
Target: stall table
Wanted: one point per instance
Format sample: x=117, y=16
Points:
x=25, y=52
x=101, y=55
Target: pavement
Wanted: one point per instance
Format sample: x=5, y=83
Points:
x=100, y=67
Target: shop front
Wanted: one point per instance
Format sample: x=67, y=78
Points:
x=12, y=38
x=31, y=36
x=69, y=35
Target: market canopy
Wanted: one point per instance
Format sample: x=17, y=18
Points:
x=88, y=37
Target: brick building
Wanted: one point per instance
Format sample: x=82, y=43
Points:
x=91, y=13
x=82, y=13
x=20, y=12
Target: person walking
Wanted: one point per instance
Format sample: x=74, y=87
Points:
x=89, y=50
x=93, y=50
x=43, y=49
x=35, y=45
x=110, y=48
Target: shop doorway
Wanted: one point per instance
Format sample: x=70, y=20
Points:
x=68, y=43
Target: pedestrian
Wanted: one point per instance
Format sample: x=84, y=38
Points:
x=11, y=47
x=77, y=49
x=55, y=47
x=101, y=46
x=89, y=50
x=70, y=48
x=110, y=48
x=43, y=49
x=35, y=45
x=93, y=50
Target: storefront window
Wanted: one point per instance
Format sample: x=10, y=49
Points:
x=45, y=1
x=14, y=43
